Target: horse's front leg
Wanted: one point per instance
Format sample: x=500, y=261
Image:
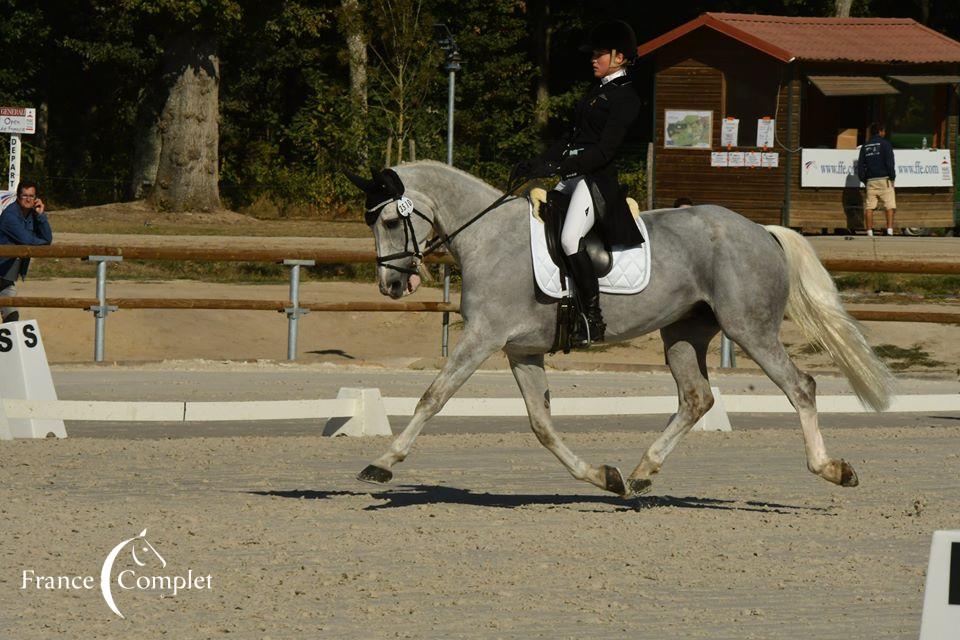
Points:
x=473, y=348
x=532, y=380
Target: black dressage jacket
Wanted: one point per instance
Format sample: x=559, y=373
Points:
x=603, y=117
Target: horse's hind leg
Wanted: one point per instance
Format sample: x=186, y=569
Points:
x=801, y=389
x=532, y=380
x=471, y=350
x=685, y=345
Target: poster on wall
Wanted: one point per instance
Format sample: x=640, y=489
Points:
x=752, y=159
x=765, y=130
x=687, y=129
x=735, y=159
x=718, y=159
x=770, y=160
x=728, y=132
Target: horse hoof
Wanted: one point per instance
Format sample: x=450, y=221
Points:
x=639, y=486
x=613, y=480
x=848, y=477
x=375, y=475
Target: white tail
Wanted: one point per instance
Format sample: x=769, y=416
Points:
x=814, y=305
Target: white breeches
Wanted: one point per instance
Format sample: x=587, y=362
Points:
x=580, y=216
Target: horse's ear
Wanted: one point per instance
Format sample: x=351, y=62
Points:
x=361, y=183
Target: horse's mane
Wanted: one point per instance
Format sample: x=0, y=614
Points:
x=460, y=172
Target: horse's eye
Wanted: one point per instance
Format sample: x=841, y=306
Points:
x=391, y=223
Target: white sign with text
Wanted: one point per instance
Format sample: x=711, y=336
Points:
x=766, y=128
x=838, y=168
x=18, y=120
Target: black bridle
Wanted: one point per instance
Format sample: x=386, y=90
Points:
x=405, y=207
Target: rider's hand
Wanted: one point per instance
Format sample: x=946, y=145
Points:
x=544, y=169
x=38, y=207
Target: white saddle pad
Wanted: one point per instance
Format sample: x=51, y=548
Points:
x=631, y=265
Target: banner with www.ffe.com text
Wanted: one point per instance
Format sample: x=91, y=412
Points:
x=838, y=168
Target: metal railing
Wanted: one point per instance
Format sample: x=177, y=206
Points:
x=102, y=306
x=294, y=308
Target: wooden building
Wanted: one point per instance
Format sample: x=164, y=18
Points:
x=811, y=86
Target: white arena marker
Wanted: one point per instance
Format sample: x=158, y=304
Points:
x=4, y=424
x=716, y=419
x=26, y=376
x=941, y=596
x=369, y=418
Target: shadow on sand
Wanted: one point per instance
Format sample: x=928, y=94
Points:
x=420, y=494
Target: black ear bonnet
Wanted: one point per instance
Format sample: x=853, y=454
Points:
x=385, y=187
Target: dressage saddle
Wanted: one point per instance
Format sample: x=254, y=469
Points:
x=553, y=215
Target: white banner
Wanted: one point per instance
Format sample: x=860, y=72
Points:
x=838, y=168
x=18, y=120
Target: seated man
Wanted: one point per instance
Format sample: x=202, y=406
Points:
x=21, y=222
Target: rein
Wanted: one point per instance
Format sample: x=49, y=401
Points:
x=405, y=207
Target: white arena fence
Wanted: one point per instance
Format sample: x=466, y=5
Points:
x=363, y=412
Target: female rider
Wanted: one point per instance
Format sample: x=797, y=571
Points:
x=584, y=159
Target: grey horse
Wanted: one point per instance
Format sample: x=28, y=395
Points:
x=712, y=270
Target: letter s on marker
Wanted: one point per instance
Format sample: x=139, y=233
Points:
x=30, y=336
x=5, y=342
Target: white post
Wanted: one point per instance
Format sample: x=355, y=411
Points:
x=13, y=178
x=941, y=598
x=369, y=418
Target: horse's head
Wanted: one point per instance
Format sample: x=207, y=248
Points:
x=402, y=221
x=143, y=545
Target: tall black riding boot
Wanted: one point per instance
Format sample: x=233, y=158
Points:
x=588, y=294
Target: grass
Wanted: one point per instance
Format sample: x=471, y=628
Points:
x=227, y=272
x=897, y=358
x=900, y=359
x=933, y=285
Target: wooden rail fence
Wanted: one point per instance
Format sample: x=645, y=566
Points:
x=299, y=257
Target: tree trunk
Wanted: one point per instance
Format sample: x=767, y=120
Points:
x=187, y=172
x=542, y=31
x=351, y=20
x=843, y=8
x=146, y=146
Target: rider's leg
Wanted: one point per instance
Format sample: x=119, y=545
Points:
x=580, y=219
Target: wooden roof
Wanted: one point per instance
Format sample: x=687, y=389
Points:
x=868, y=40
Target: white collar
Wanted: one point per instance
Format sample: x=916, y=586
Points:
x=616, y=74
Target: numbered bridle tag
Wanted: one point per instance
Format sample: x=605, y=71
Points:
x=404, y=207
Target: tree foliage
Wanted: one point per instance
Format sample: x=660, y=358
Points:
x=287, y=122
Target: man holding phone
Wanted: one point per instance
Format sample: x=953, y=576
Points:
x=21, y=222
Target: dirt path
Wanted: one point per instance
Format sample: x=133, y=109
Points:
x=484, y=536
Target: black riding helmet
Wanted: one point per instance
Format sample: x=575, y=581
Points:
x=610, y=35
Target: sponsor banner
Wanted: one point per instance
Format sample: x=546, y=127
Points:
x=18, y=120
x=838, y=168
